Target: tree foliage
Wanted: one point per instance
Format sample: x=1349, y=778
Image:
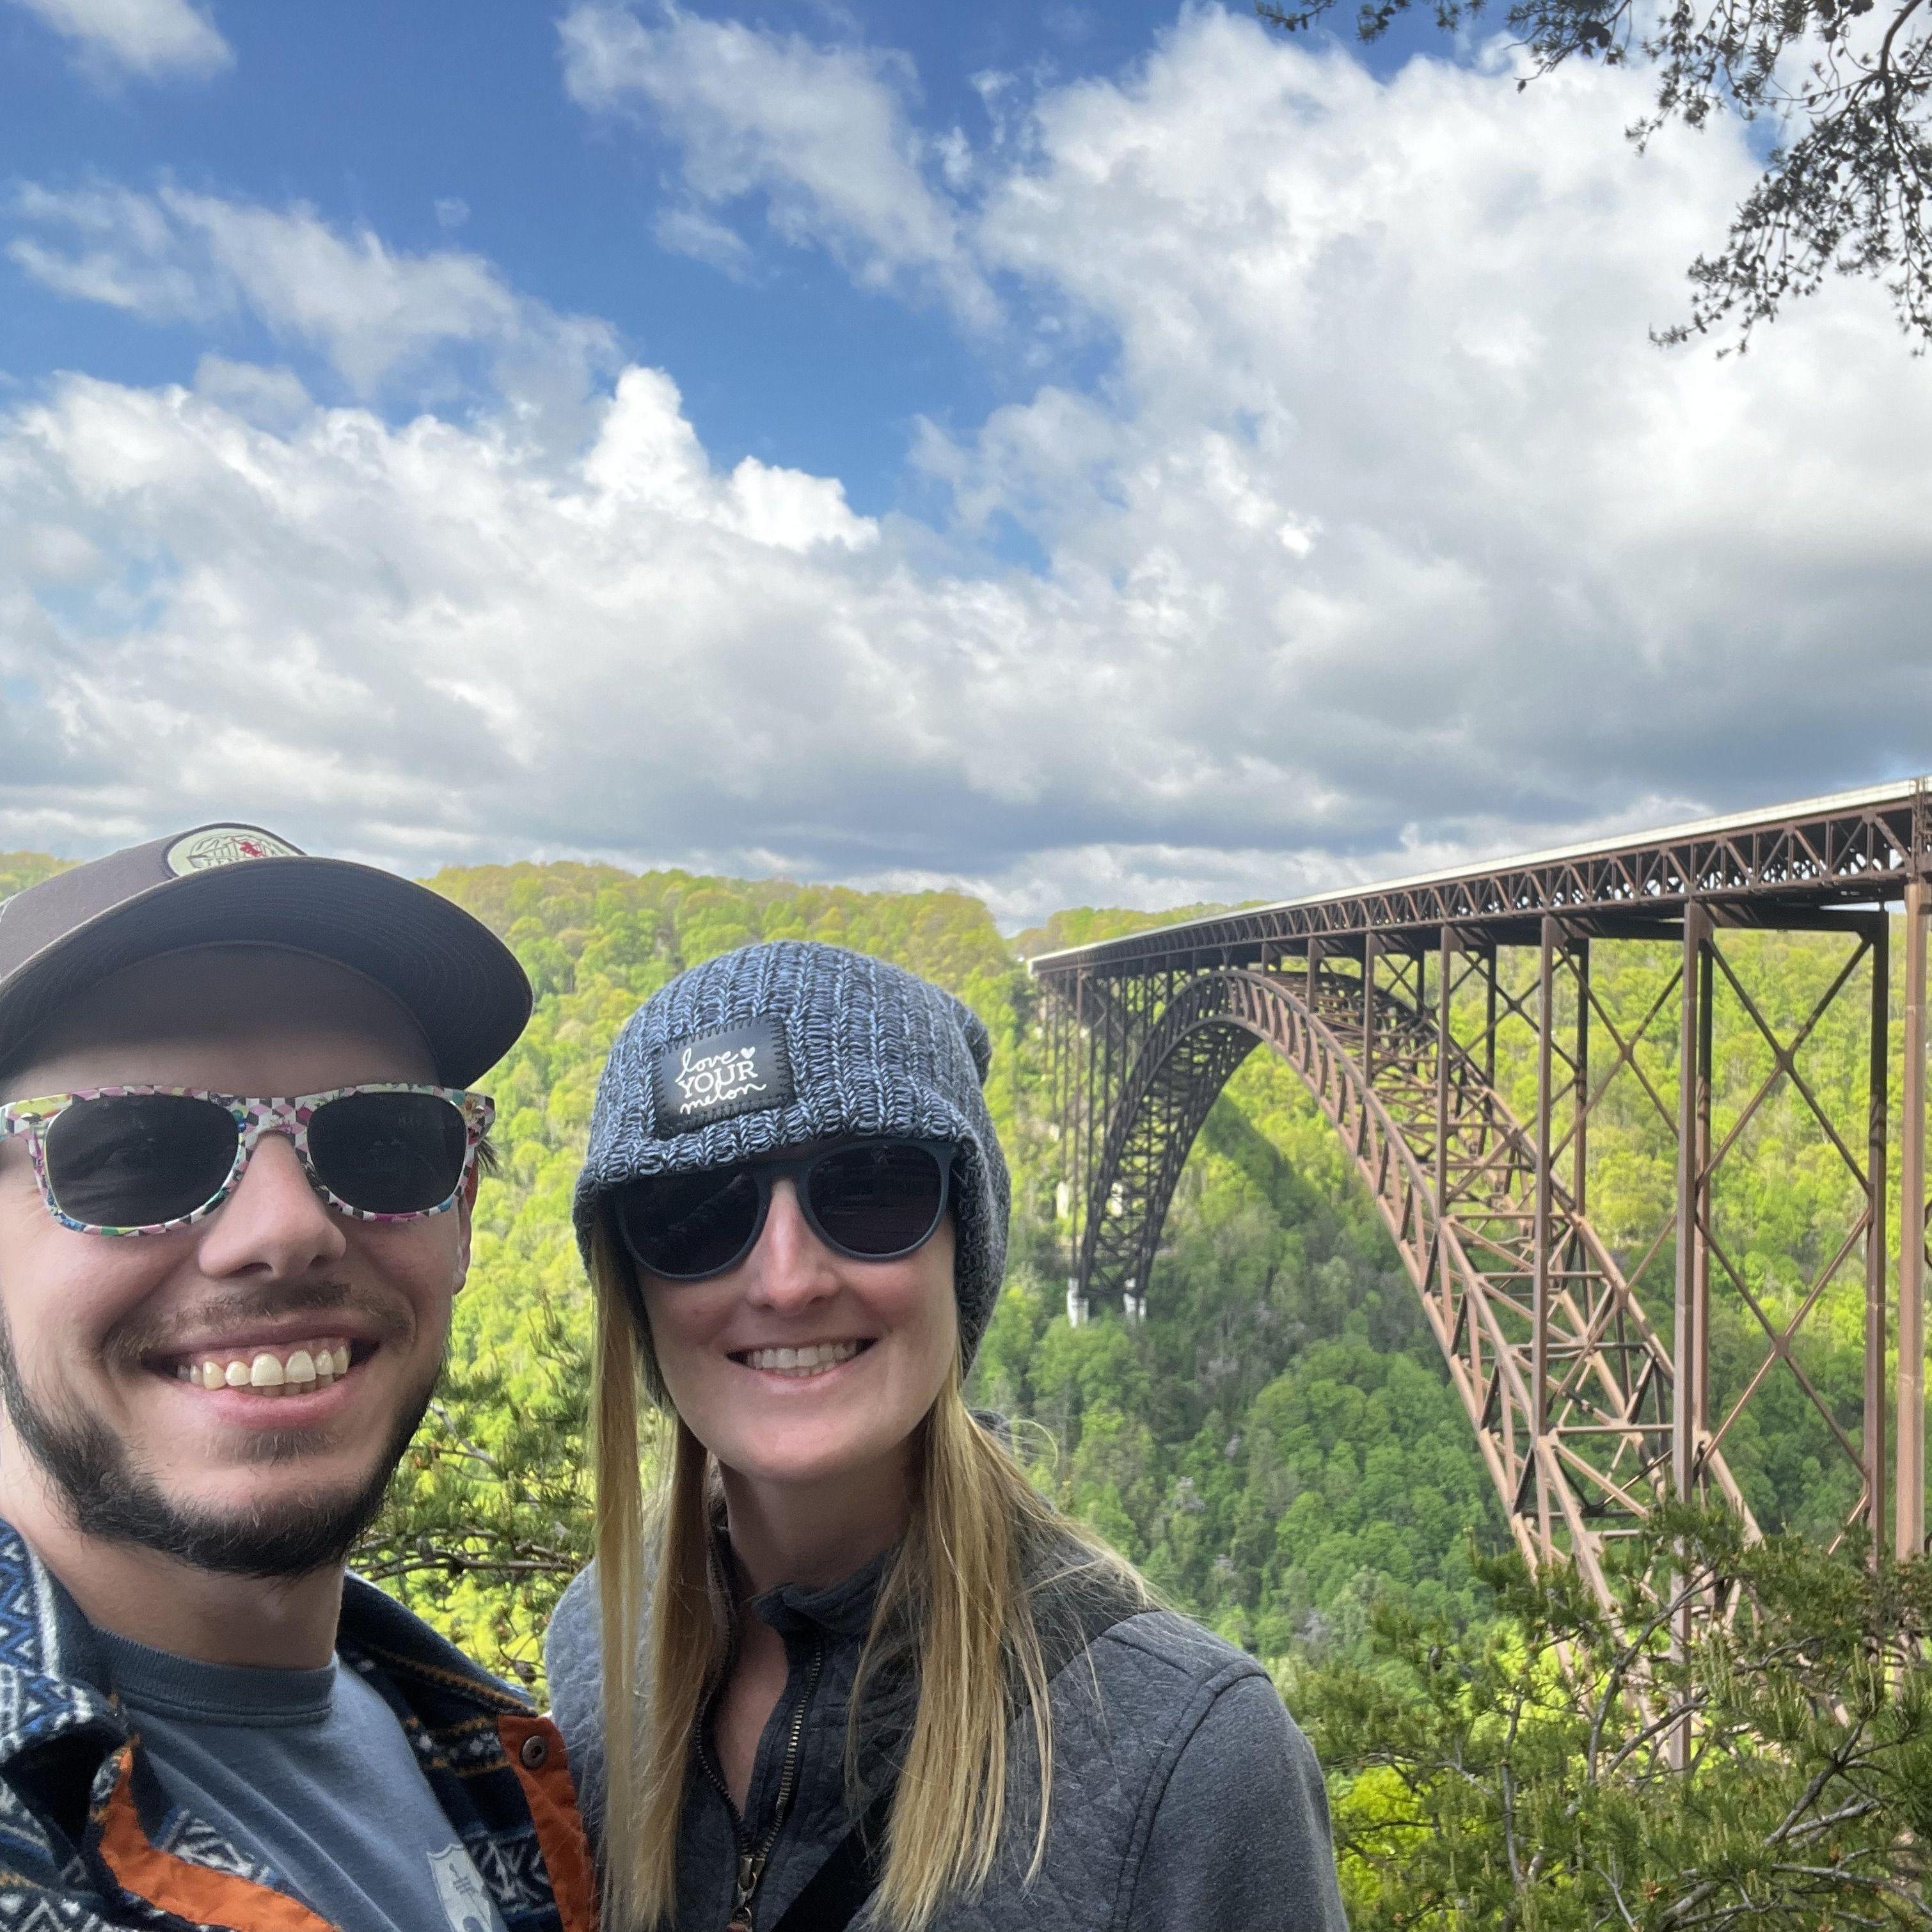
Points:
x=1278, y=1444
x=1518, y=1775
x=1843, y=84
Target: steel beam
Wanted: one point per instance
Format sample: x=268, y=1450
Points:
x=1546, y=1070
x=1877, y=1258
x=1369, y=950
x=1909, y=1498
x=1444, y=1051
x=1688, y=1342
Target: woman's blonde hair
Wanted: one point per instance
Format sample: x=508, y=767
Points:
x=959, y=1583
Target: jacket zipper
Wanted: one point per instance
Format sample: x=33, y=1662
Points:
x=752, y=1858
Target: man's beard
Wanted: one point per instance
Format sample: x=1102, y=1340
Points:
x=109, y=1495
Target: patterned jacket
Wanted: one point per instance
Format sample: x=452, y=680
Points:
x=89, y=1842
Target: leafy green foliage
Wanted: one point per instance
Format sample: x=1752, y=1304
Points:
x=19, y=870
x=1276, y=1444
x=490, y=1516
x=1518, y=1775
x=1280, y=1311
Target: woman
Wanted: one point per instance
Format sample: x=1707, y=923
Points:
x=860, y=1666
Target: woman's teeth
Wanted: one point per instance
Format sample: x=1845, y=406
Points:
x=814, y=1360
x=272, y=1372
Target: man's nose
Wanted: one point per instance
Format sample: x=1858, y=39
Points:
x=790, y=1267
x=274, y=1223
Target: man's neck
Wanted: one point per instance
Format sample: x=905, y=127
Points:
x=273, y=1623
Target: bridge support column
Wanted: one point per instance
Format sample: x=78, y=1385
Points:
x=1540, y=1297
x=1689, y=1335
x=1877, y=1246
x=1444, y=1053
x=1076, y=1302
x=1908, y=1486
x=1370, y=949
x=1691, y=1329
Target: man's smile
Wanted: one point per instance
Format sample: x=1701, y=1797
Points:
x=286, y=1369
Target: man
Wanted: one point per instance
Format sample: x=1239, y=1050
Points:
x=225, y=1293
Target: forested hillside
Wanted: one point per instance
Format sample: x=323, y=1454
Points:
x=1277, y=1443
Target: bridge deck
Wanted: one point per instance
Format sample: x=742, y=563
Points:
x=1773, y=865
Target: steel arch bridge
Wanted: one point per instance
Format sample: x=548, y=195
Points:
x=1452, y=1031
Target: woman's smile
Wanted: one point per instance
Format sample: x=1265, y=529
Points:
x=809, y=1361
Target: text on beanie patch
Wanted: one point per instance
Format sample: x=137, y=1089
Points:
x=712, y=1076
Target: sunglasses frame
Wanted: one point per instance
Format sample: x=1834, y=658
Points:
x=797, y=1168
x=254, y=1118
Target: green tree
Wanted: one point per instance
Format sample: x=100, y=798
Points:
x=1518, y=1775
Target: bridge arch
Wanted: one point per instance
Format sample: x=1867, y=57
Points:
x=1570, y=1401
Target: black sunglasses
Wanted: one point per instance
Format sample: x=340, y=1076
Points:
x=144, y=1160
x=870, y=1200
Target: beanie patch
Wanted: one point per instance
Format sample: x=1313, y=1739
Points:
x=712, y=1076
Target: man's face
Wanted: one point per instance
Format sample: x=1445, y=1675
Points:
x=96, y=1331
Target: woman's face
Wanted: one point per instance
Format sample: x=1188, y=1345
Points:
x=800, y=1367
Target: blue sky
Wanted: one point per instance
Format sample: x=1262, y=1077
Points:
x=1078, y=452
x=428, y=130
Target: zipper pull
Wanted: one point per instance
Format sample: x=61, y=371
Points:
x=751, y=1869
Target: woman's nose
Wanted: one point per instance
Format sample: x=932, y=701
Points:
x=790, y=1266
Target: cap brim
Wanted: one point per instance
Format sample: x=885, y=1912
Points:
x=460, y=981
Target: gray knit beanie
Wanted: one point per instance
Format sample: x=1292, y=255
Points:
x=788, y=1042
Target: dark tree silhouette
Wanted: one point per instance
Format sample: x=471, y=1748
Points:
x=1845, y=81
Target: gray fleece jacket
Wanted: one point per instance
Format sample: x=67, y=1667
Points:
x=1184, y=1798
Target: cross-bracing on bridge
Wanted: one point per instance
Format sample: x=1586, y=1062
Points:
x=1463, y=1034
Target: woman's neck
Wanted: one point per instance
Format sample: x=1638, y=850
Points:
x=815, y=1534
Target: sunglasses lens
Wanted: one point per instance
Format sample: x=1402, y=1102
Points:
x=132, y=1160
x=389, y=1153
x=685, y=1225
x=879, y=1200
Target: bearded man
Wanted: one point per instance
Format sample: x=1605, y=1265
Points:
x=238, y=1158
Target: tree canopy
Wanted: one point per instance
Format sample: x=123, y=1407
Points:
x=1844, y=85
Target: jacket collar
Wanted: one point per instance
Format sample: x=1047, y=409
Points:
x=53, y=1674
x=841, y=1610
x=55, y=1679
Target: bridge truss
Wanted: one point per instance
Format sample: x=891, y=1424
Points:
x=1491, y=1046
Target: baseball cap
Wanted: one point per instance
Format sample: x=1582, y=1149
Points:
x=239, y=884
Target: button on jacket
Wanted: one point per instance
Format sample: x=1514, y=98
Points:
x=90, y=1842
x=1184, y=1798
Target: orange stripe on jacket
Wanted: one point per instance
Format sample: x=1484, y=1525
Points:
x=552, y=1797
x=191, y=1892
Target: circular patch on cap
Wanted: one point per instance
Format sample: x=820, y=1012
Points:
x=225, y=845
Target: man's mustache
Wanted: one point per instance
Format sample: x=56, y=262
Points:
x=388, y=1319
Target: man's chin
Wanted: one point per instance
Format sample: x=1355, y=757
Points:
x=289, y=1534
x=289, y=1524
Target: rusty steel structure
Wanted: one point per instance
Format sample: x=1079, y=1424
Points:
x=1474, y=1037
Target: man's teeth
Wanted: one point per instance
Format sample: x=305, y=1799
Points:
x=270, y=1371
x=814, y=1360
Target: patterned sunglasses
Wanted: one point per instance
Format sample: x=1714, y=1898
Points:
x=142, y=1160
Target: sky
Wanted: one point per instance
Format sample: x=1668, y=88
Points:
x=1082, y=453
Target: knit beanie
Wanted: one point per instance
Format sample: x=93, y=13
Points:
x=790, y=1041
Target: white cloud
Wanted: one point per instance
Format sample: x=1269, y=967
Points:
x=147, y=38
x=1387, y=536
x=689, y=231
x=176, y=256
x=824, y=136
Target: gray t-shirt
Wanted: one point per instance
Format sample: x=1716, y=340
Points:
x=310, y=1771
